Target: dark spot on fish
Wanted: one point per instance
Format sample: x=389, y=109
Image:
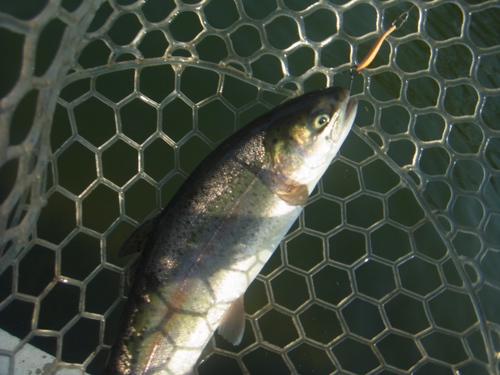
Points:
x=275, y=140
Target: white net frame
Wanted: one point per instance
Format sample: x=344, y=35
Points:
x=440, y=182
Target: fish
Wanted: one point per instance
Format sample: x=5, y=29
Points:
x=200, y=254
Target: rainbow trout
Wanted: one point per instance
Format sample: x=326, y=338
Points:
x=202, y=252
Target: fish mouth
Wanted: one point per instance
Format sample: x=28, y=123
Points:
x=351, y=106
x=351, y=109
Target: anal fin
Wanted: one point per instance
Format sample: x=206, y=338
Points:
x=232, y=326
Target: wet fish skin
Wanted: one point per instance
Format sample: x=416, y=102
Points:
x=202, y=252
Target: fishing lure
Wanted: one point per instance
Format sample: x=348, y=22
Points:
x=376, y=47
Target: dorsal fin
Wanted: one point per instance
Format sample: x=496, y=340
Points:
x=138, y=239
x=232, y=326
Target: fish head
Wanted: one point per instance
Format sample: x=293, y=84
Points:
x=302, y=144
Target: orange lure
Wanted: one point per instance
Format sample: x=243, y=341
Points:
x=376, y=47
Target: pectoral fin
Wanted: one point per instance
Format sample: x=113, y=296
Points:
x=232, y=325
x=295, y=195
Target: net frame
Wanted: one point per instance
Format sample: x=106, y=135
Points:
x=36, y=179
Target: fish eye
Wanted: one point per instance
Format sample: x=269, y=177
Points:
x=321, y=121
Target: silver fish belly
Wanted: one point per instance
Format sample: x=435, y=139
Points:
x=202, y=252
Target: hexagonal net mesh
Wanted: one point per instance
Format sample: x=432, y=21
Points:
x=107, y=106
